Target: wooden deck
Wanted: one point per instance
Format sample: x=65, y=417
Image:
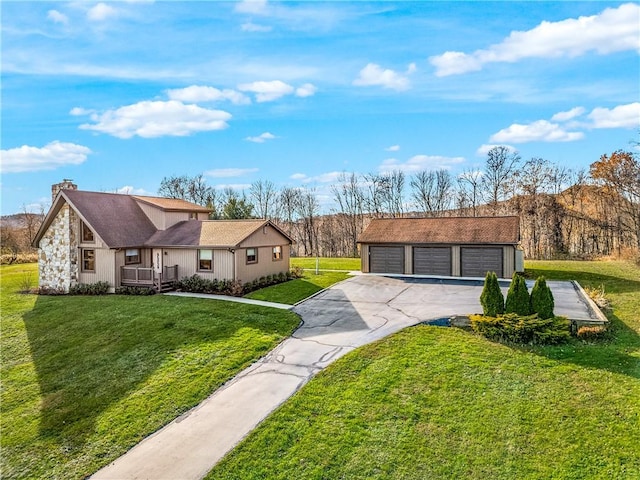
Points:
x=147, y=277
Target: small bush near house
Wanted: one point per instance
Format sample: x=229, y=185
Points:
x=518, y=297
x=296, y=272
x=491, y=298
x=542, y=299
x=98, y=288
x=595, y=332
x=236, y=288
x=126, y=290
x=529, y=329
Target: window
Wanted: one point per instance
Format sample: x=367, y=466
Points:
x=193, y=215
x=205, y=260
x=131, y=255
x=252, y=255
x=277, y=253
x=87, y=234
x=88, y=260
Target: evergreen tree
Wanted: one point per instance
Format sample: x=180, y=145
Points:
x=518, y=297
x=542, y=299
x=491, y=298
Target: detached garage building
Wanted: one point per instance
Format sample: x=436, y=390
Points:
x=451, y=246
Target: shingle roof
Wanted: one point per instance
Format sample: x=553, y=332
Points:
x=117, y=219
x=206, y=233
x=448, y=230
x=171, y=204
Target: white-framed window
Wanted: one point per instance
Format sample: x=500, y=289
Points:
x=87, y=233
x=205, y=260
x=277, y=253
x=252, y=255
x=88, y=260
x=131, y=256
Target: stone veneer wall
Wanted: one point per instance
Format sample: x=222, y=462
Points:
x=58, y=252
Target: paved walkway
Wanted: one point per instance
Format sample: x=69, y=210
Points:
x=352, y=313
x=227, y=298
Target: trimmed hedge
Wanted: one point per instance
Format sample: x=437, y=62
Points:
x=542, y=299
x=98, y=288
x=529, y=329
x=197, y=284
x=518, y=297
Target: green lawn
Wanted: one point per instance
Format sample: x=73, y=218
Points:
x=296, y=290
x=433, y=402
x=86, y=378
x=326, y=263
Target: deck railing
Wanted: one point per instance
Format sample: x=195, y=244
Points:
x=146, y=276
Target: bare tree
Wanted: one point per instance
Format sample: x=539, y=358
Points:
x=307, y=208
x=431, y=191
x=470, y=190
x=263, y=193
x=500, y=166
x=350, y=198
x=193, y=189
x=393, y=193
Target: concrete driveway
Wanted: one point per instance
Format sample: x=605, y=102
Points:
x=352, y=313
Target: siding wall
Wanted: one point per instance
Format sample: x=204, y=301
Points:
x=265, y=266
x=508, y=260
x=163, y=220
x=105, y=268
x=364, y=258
x=187, y=261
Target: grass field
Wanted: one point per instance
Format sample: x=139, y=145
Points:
x=86, y=378
x=432, y=402
x=296, y=290
x=326, y=263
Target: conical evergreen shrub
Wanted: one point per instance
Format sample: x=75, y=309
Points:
x=542, y=299
x=491, y=298
x=518, y=297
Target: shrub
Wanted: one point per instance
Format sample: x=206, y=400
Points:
x=135, y=291
x=297, y=272
x=98, y=288
x=542, y=299
x=595, y=332
x=529, y=329
x=491, y=298
x=518, y=297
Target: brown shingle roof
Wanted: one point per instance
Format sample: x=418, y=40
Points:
x=117, y=219
x=449, y=230
x=206, y=233
x=171, y=204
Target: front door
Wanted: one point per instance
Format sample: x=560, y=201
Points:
x=156, y=260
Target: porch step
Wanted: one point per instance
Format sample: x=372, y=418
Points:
x=165, y=287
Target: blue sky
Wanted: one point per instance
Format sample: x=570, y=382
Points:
x=118, y=95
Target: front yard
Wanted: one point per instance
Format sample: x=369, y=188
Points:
x=433, y=402
x=86, y=378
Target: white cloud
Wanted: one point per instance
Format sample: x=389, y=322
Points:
x=622, y=116
x=150, y=119
x=53, y=155
x=374, y=75
x=568, y=115
x=57, y=17
x=306, y=90
x=261, y=138
x=393, y=148
x=418, y=163
x=199, y=93
x=130, y=190
x=251, y=6
x=229, y=172
x=613, y=30
x=100, y=12
x=79, y=111
x=329, y=177
x=267, y=91
x=253, y=27
x=538, y=131
x=484, y=149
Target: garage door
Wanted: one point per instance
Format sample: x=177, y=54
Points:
x=476, y=262
x=386, y=259
x=432, y=261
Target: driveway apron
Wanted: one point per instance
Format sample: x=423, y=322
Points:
x=352, y=313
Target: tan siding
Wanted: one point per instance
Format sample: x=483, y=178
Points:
x=155, y=215
x=203, y=216
x=455, y=260
x=265, y=266
x=105, y=268
x=408, y=259
x=364, y=258
x=508, y=261
x=187, y=261
x=267, y=236
x=171, y=218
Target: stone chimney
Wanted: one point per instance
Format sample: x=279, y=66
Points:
x=66, y=184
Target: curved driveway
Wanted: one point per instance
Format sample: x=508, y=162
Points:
x=352, y=313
